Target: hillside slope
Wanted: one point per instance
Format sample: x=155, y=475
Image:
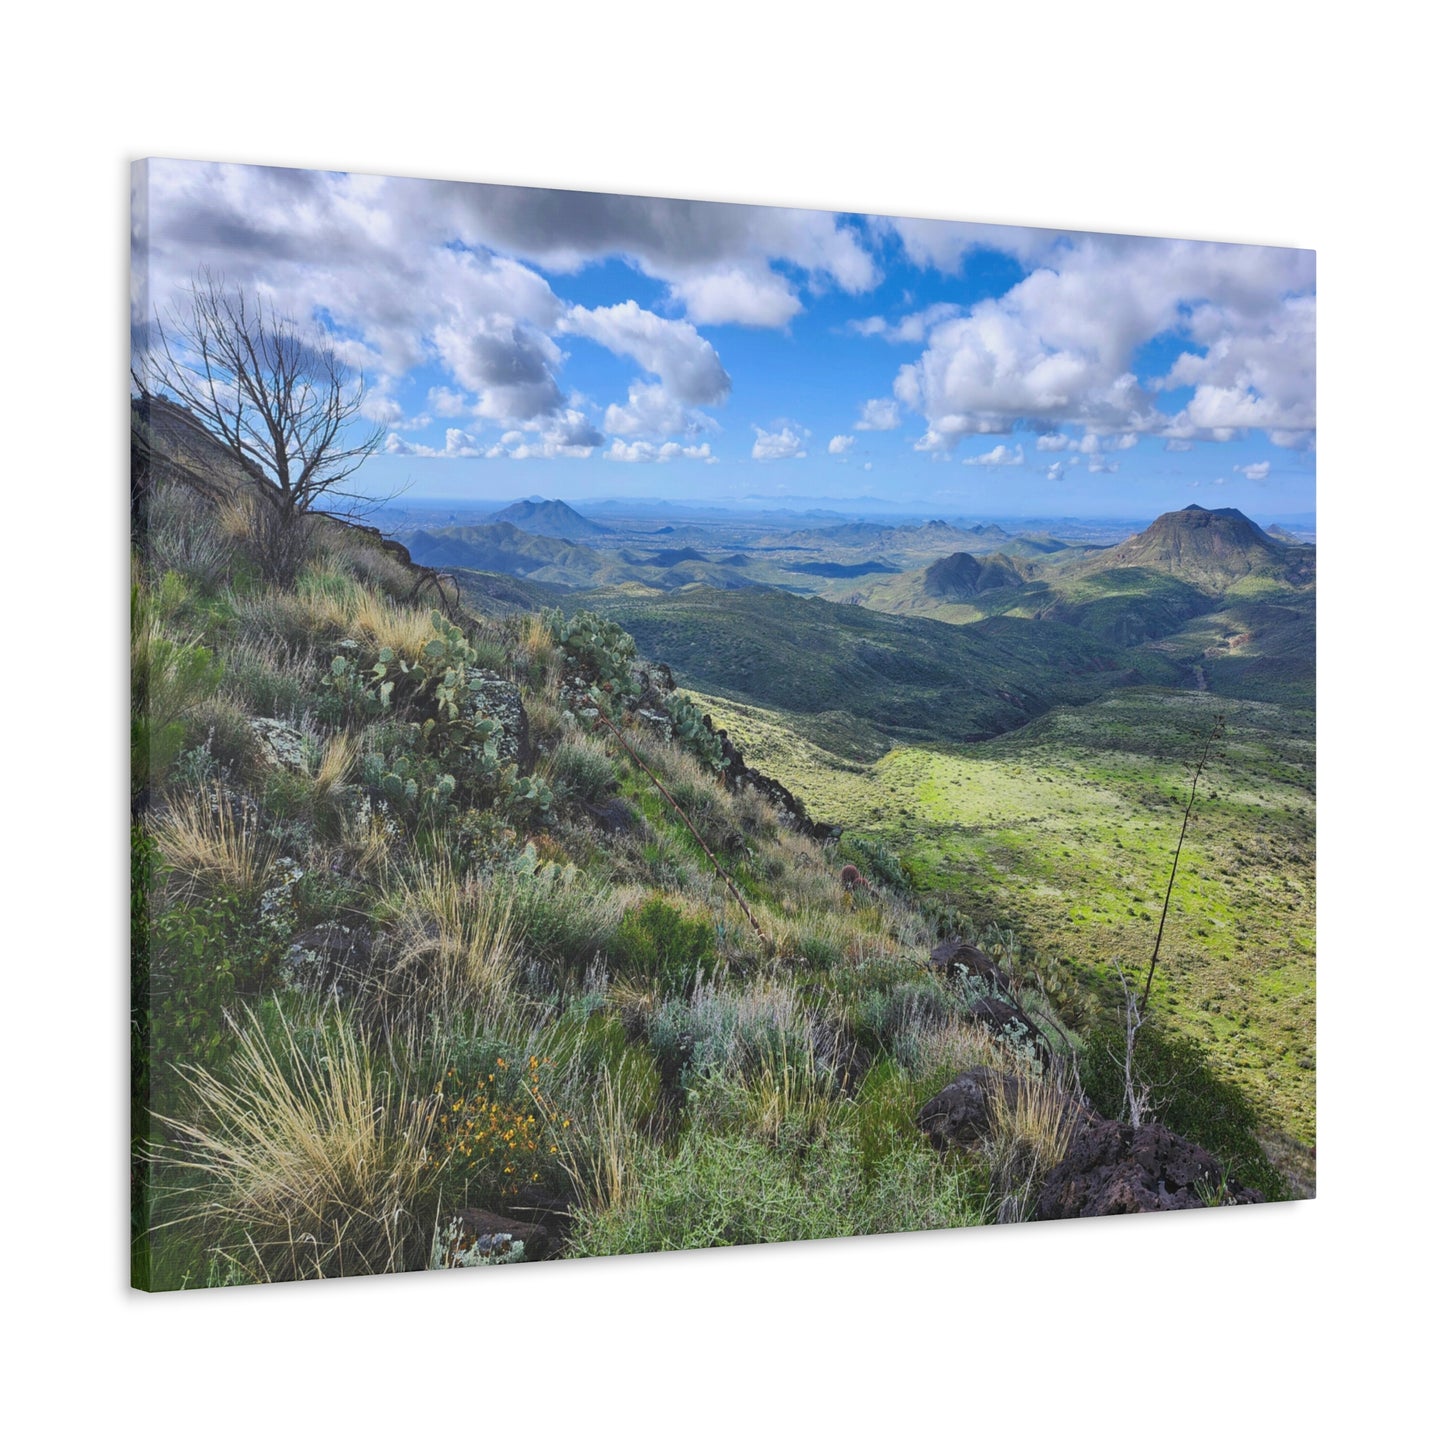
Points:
x=462, y=940
x=896, y=677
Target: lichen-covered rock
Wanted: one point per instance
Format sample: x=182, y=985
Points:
x=331, y=958
x=654, y=683
x=1111, y=1168
x=957, y=959
x=278, y=902
x=280, y=745
x=500, y=699
x=1006, y=1021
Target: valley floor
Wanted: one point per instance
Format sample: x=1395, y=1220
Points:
x=1064, y=831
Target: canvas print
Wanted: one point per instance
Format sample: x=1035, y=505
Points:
x=662, y=724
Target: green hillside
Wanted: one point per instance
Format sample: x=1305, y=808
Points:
x=897, y=677
x=460, y=936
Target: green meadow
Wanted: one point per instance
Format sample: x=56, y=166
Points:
x=1064, y=831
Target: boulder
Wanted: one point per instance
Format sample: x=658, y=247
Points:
x=957, y=959
x=492, y=1231
x=1112, y=1168
x=330, y=958
x=613, y=816
x=500, y=699
x=280, y=745
x=961, y=1115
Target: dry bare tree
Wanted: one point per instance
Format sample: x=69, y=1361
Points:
x=276, y=396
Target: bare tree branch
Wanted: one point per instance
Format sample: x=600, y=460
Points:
x=272, y=392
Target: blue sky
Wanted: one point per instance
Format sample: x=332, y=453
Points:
x=519, y=342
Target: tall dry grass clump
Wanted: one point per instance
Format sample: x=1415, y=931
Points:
x=185, y=535
x=957, y=1046
x=1032, y=1125
x=454, y=944
x=308, y=1152
x=213, y=845
x=601, y=1152
x=330, y=782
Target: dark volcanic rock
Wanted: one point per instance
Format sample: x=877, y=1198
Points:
x=1111, y=1168
x=491, y=1230
x=961, y=1115
x=613, y=816
x=965, y=1113
x=955, y=959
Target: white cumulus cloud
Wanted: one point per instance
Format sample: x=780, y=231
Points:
x=880, y=414
x=1058, y=347
x=458, y=444
x=840, y=446
x=621, y=451
x=1000, y=456
x=781, y=445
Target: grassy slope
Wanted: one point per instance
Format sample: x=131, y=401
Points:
x=511, y=939
x=1065, y=830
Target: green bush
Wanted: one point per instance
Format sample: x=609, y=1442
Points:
x=562, y=918
x=659, y=943
x=722, y=1189
x=1186, y=1095
x=207, y=954
x=893, y=1019
x=883, y=1110
x=582, y=770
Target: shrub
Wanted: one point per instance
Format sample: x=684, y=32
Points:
x=498, y=1130
x=1186, y=1095
x=563, y=919
x=207, y=954
x=883, y=1112
x=308, y=1151
x=659, y=942
x=721, y=1189
x=582, y=769
x=896, y=1020
x=277, y=681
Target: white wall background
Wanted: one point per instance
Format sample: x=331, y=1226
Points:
x=1250, y=122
